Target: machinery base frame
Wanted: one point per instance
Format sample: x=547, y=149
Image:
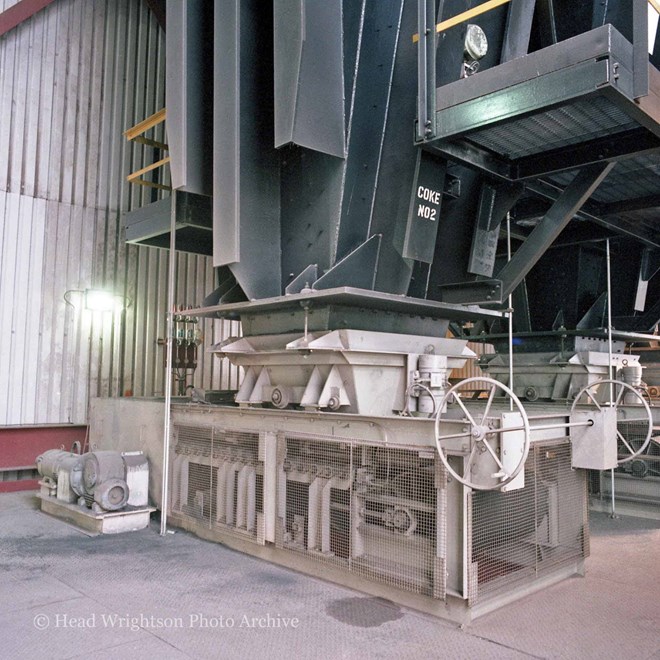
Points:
x=112, y=522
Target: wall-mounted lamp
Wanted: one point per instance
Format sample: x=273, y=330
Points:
x=97, y=300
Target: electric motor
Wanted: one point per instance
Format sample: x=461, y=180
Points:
x=102, y=480
x=52, y=461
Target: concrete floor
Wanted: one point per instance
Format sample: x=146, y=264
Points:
x=110, y=597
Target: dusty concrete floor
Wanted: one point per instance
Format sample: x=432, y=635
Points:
x=124, y=597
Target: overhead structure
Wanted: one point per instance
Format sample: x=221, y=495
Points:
x=370, y=160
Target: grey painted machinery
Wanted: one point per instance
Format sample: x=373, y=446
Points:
x=101, y=480
x=370, y=162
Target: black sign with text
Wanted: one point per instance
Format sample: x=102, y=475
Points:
x=425, y=203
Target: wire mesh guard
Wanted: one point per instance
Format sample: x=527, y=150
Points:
x=217, y=478
x=371, y=510
x=636, y=481
x=378, y=512
x=520, y=535
x=381, y=512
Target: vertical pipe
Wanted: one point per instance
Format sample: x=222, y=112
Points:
x=611, y=373
x=508, y=254
x=610, y=354
x=168, y=366
x=85, y=446
x=306, y=307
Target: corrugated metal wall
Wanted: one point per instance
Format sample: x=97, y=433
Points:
x=72, y=79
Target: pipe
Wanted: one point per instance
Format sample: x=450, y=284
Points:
x=508, y=254
x=609, y=321
x=168, y=367
x=609, y=351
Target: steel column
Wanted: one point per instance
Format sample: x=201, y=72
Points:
x=518, y=30
x=558, y=216
x=494, y=205
x=426, y=69
x=640, y=48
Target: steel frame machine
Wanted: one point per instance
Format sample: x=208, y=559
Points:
x=361, y=217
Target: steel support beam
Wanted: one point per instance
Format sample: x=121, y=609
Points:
x=471, y=155
x=650, y=264
x=20, y=446
x=518, y=30
x=635, y=204
x=640, y=48
x=309, y=76
x=596, y=214
x=495, y=202
x=557, y=217
x=426, y=69
x=650, y=318
x=189, y=79
x=547, y=24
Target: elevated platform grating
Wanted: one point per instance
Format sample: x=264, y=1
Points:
x=555, y=110
x=629, y=195
x=556, y=128
x=633, y=179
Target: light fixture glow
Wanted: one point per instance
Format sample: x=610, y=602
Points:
x=97, y=300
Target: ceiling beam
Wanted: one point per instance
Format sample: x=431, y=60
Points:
x=635, y=204
x=592, y=212
x=558, y=216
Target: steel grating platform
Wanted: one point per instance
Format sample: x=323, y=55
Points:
x=554, y=110
x=629, y=195
x=633, y=179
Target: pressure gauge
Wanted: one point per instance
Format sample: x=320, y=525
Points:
x=476, y=43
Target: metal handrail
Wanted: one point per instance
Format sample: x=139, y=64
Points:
x=135, y=134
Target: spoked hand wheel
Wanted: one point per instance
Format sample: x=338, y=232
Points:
x=480, y=436
x=633, y=433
